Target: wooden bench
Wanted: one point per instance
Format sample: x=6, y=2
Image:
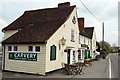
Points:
x=73, y=69
x=88, y=61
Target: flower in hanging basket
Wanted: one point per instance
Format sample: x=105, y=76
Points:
x=78, y=50
x=65, y=50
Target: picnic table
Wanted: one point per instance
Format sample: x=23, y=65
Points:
x=73, y=69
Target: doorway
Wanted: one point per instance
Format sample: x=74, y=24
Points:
x=68, y=56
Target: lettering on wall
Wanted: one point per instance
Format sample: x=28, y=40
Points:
x=23, y=56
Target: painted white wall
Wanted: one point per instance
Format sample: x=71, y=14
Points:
x=34, y=67
x=81, y=39
x=9, y=33
x=93, y=43
x=63, y=31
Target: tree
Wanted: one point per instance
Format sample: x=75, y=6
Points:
x=106, y=48
x=98, y=46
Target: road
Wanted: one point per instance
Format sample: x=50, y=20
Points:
x=113, y=66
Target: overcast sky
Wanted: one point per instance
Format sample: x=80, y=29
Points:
x=105, y=10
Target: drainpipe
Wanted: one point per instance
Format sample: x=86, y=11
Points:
x=3, y=62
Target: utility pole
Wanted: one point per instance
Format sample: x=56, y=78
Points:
x=102, y=35
x=103, y=40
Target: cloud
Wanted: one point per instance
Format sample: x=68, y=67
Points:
x=2, y=25
x=112, y=37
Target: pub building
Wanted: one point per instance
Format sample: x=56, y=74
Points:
x=40, y=40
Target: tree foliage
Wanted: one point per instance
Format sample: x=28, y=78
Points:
x=106, y=47
x=98, y=46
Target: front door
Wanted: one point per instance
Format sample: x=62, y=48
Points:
x=68, y=56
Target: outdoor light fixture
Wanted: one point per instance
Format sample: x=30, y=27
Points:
x=63, y=41
x=65, y=50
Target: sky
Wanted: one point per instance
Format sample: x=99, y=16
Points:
x=104, y=10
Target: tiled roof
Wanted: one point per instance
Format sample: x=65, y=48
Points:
x=38, y=25
x=82, y=32
x=89, y=31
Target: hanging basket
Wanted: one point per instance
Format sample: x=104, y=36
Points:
x=65, y=50
x=78, y=50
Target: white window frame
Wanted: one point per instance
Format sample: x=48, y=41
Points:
x=34, y=48
x=12, y=48
x=8, y=48
x=74, y=56
x=72, y=35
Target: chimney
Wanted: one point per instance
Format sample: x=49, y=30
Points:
x=65, y=4
x=81, y=23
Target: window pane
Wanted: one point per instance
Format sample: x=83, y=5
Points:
x=37, y=48
x=72, y=35
x=15, y=48
x=30, y=48
x=53, y=52
x=9, y=48
x=73, y=55
x=79, y=55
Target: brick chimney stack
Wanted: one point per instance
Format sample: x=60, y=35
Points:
x=81, y=23
x=65, y=4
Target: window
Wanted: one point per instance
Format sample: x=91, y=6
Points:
x=72, y=35
x=53, y=52
x=37, y=48
x=15, y=48
x=30, y=48
x=79, y=55
x=84, y=40
x=9, y=48
x=88, y=41
x=83, y=54
x=73, y=55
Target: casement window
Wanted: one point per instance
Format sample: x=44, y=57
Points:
x=84, y=40
x=15, y=48
x=34, y=48
x=9, y=48
x=30, y=48
x=53, y=52
x=73, y=55
x=12, y=48
x=37, y=48
x=79, y=55
x=72, y=35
